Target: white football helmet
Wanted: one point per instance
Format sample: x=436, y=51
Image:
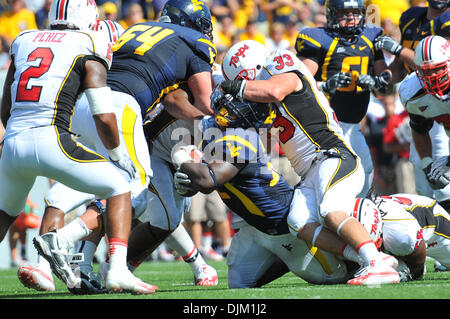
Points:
x=112, y=29
x=367, y=213
x=244, y=60
x=432, y=60
x=81, y=14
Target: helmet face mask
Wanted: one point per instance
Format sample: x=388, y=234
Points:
x=232, y=113
x=339, y=10
x=432, y=59
x=439, y=5
x=192, y=14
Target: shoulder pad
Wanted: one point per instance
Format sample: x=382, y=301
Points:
x=102, y=47
x=314, y=36
x=282, y=61
x=411, y=13
x=409, y=88
x=441, y=24
x=206, y=49
x=371, y=31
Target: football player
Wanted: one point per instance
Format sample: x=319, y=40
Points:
x=413, y=228
x=415, y=24
x=343, y=61
x=311, y=138
x=235, y=165
x=152, y=59
x=425, y=95
x=50, y=69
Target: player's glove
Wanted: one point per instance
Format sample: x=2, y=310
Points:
x=437, y=172
x=235, y=88
x=182, y=183
x=388, y=44
x=206, y=122
x=122, y=161
x=338, y=80
x=369, y=82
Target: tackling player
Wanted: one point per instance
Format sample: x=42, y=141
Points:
x=236, y=166
x=343, y=61
x=50, y=69
x=312, y=139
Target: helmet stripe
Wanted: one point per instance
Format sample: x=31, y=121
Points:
x=357, y=208
x=112, y=30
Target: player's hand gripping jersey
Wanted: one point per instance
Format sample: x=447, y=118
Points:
x=49, y=75
x=164, y=55
x=257, y=193
x=334, y=54
x=415, y=26
x=305, y=120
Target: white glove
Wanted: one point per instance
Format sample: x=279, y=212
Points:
x=185, y=153
x=182, y=183
x=122, y=161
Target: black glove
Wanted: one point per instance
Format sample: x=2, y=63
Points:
x=234, y=87
x=388, y=44
x=338, y=80
x=369, y=82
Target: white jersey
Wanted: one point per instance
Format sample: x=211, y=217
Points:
x=418, y=102
x=49, y=75
x=409, y=219
x=305, y=119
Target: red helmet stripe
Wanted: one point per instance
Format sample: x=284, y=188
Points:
x=356, y=208
x=61, y=9
x=113, y=30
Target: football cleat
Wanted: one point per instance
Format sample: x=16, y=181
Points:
x=206, y=276
x=90, y=284
x=34, y=278
x=55, y=249
x=125, y=281
x=376, y=273
x=391, y=261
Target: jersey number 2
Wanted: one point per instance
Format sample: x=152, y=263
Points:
x=32, y=94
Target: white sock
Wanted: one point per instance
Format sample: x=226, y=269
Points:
x=180, y=241
x=117, y=254
x=75, y=230
x=207, y=240
x=350, y=254
x=368, y=252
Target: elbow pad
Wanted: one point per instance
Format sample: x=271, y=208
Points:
x=420, y=124
x=100, y=100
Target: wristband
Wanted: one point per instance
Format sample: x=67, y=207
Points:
x=426, y=161
x=100, y=100
x=213, y=176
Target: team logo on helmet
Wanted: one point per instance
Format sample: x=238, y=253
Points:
x=244, y=60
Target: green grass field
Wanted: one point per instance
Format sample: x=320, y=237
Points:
x=175, y=281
